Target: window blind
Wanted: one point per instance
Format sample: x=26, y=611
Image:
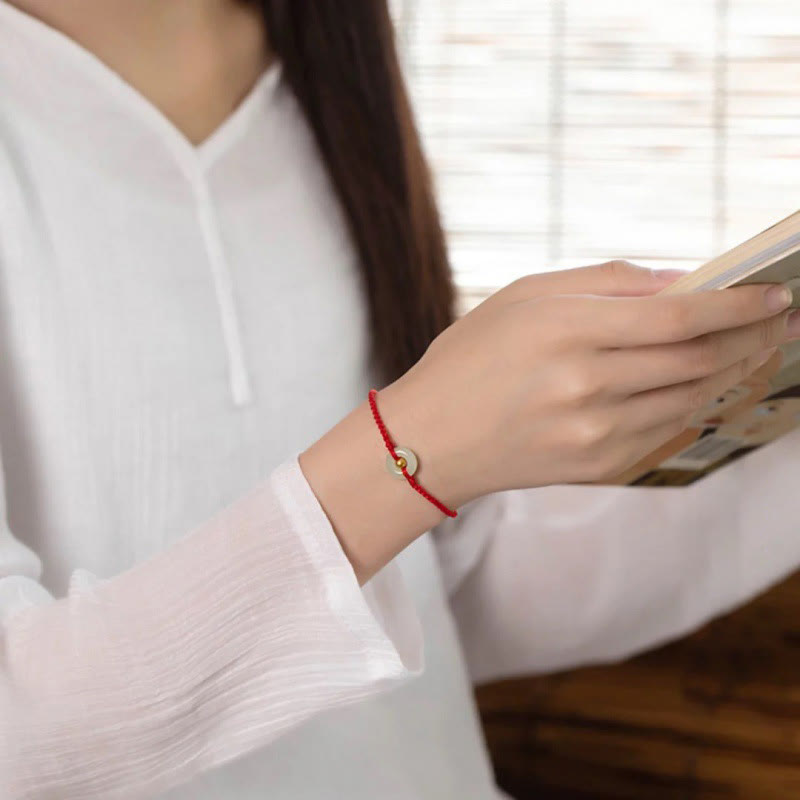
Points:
x=567, y=132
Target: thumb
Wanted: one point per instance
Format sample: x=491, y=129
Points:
x=620, y=278
x=612, y=279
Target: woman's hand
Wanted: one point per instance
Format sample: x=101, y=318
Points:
x=573, y=376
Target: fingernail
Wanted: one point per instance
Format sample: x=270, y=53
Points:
x=793, y=324
x=766, y=356
x=778, y=298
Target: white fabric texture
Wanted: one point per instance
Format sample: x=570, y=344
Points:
x=177, y=323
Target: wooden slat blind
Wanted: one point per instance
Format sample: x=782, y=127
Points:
x=565, y=132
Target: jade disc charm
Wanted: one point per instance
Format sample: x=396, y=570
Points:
x=406, y=458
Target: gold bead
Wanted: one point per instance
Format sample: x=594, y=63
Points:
x=401, y=462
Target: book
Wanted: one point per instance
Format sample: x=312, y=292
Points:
x=763, y=407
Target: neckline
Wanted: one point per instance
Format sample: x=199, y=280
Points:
x=194, y=156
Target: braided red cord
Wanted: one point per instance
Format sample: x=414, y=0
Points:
x=373, y=394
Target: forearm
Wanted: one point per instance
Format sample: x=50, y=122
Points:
x=374, y=514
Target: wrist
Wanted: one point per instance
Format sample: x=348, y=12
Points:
x=374, y=515
x=415, y=420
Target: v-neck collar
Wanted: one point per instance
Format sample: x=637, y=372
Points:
x=52, y=69
x=89, y=112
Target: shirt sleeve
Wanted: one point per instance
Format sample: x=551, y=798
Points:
x=238, y=632
x=547, y=579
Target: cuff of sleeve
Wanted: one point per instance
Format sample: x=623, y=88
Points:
x=18, y=592
x=20, y=569
x=381, y=614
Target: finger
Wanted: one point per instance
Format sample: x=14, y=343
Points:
x=653, y=366
x=613, y=278
x=662, y=319
x=683, y=400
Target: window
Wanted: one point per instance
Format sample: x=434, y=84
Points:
x=567, y=132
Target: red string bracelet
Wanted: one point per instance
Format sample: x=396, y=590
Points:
x=402, y=460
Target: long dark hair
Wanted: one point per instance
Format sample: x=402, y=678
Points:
x=340, y=60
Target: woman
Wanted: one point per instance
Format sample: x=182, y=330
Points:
x=217, y=235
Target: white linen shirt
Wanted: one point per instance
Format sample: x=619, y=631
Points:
x=179, y=322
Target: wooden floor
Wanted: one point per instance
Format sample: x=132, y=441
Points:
x=716, y=715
